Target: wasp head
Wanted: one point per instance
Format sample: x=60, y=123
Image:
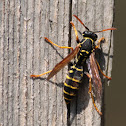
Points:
x=90, y=34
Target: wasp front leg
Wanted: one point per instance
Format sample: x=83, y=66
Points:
x=99, y=42
x=63, y=47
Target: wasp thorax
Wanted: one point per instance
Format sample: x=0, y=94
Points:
x=90, y=34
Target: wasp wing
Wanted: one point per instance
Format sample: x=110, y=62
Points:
x=63, y=63
x=96, y=80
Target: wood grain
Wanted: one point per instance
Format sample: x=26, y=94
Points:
x=23, y=51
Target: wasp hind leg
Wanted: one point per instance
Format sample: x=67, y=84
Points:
x=90, y=92
x=35, y=76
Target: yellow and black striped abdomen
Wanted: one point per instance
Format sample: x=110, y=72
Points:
x=72, y=83
x=73, y=79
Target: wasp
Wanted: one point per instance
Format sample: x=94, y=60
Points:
x=84, y=50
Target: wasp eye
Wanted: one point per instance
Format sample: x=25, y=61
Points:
x=95, y=37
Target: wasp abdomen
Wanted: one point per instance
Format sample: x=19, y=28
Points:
x=73, y=80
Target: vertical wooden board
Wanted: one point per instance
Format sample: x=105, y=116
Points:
x=44, y=23
x=56, y=35
x=10, y=61
x=93, y=14
x=2, y=21
x=5, y=63
x=16, y=58
x=60, y=41
x=30, y=20
x=23, y=67
x=23, y=51
x=108, y=46
x=33, y=17
x=52, y=103
x=51, y=96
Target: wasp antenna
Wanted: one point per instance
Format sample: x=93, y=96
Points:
x=105, y=30
x=81, y=22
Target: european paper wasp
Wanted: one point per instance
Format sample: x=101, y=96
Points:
x=83, y=50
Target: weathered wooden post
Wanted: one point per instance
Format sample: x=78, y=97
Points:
x=23, y=51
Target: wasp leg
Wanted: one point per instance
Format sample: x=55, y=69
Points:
x=99, y=41
x=77, y=39
x=40, y=74
x=90, y=91
x=54, y=45
x=57, y=45
x=101, y=71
